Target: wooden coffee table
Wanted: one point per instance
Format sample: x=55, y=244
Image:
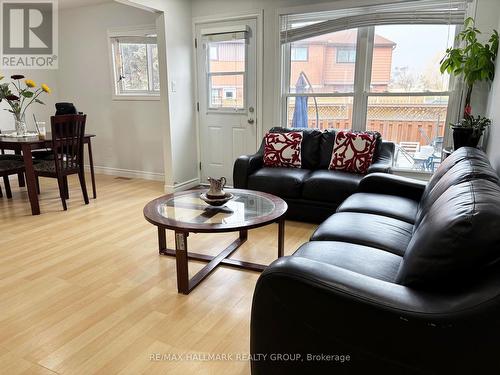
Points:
x=185, y=213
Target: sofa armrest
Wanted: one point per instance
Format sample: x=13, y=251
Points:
x=383, y=183
x=244, y=166
x=304, y=306
x=384, y=161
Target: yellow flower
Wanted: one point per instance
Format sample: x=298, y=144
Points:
x=1, y=77
x=30, y=83
x=46, y=88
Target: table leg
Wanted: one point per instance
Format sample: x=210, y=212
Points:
x=20, y=176
x=243, y=235
x=281, y=238
x=162, y=240
x=30, y=179
x=181, y=258
x=92, y=174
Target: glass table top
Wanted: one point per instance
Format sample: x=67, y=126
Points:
x=190, y=209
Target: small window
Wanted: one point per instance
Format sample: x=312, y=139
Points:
x=136, y=70
x=299, y=53
x=226, y=75
x=346, y=55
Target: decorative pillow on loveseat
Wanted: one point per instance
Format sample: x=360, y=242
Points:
x=353, y=151
x=283, y=149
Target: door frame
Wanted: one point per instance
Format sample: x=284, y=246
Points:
x=257, y=15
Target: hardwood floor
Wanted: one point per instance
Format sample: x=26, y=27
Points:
x=85, y=291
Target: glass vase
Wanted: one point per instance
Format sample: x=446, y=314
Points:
x=21, y=128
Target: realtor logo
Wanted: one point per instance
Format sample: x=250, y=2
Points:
x=29, y=34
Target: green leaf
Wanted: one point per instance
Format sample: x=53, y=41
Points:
x=39, y=101
x=27, y=94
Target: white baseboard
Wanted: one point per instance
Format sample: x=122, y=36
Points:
x=186, y=185
x=128, y=173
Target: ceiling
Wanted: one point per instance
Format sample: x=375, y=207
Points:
x=66, y=4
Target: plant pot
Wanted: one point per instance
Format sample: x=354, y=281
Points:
x=464, y=137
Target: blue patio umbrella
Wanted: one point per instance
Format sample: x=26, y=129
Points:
x=299, y=119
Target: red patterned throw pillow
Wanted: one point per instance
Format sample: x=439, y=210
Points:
x=353, y=151
x=283, y=150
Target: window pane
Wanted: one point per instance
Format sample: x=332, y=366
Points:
x=135, y=67
x=323, y=113
x=227, y=56
x=406, y=58
x=226, y=91
x=416, y=124
x=329, y=66
x=155, y=73
x=299, y=53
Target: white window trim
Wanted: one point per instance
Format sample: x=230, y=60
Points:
x=134, y=31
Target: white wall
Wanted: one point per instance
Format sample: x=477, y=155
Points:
x=487, y=16
x=127, y=132
x=493, y=112
x=180, y=138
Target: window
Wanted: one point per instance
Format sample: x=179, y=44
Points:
x=346, y=55
x=229, y=93
x=214, y=53
x=226, y=74
x=135, y=62
x=394, y=88
x=299, y=54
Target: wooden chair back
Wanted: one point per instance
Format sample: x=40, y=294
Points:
x=67, y=142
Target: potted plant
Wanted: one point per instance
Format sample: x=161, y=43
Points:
x=19, y=101
x=475, y=61
x=469, y=130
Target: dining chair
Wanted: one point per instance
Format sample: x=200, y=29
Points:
x=67, y=146
x=9, y=167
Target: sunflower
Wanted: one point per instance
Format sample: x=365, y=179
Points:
x=46, y=88
x=30, y=83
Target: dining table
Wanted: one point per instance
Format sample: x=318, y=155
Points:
x=24, y=146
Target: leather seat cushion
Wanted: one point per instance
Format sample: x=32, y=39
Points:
x=330, y=186
x=400, y=208
x=357, y=258
x=376, y=231
x=283, y=182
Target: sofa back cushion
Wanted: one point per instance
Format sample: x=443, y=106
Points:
x=463, y=153
x=457, y=239
x=310, y=145
x=466, y=169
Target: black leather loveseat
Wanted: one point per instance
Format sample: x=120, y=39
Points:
x=313, y=192
x=404, y=279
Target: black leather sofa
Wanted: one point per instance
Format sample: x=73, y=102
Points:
x=404, y=278
x=312, y=192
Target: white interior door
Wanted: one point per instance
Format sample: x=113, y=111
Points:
x=226, y=64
